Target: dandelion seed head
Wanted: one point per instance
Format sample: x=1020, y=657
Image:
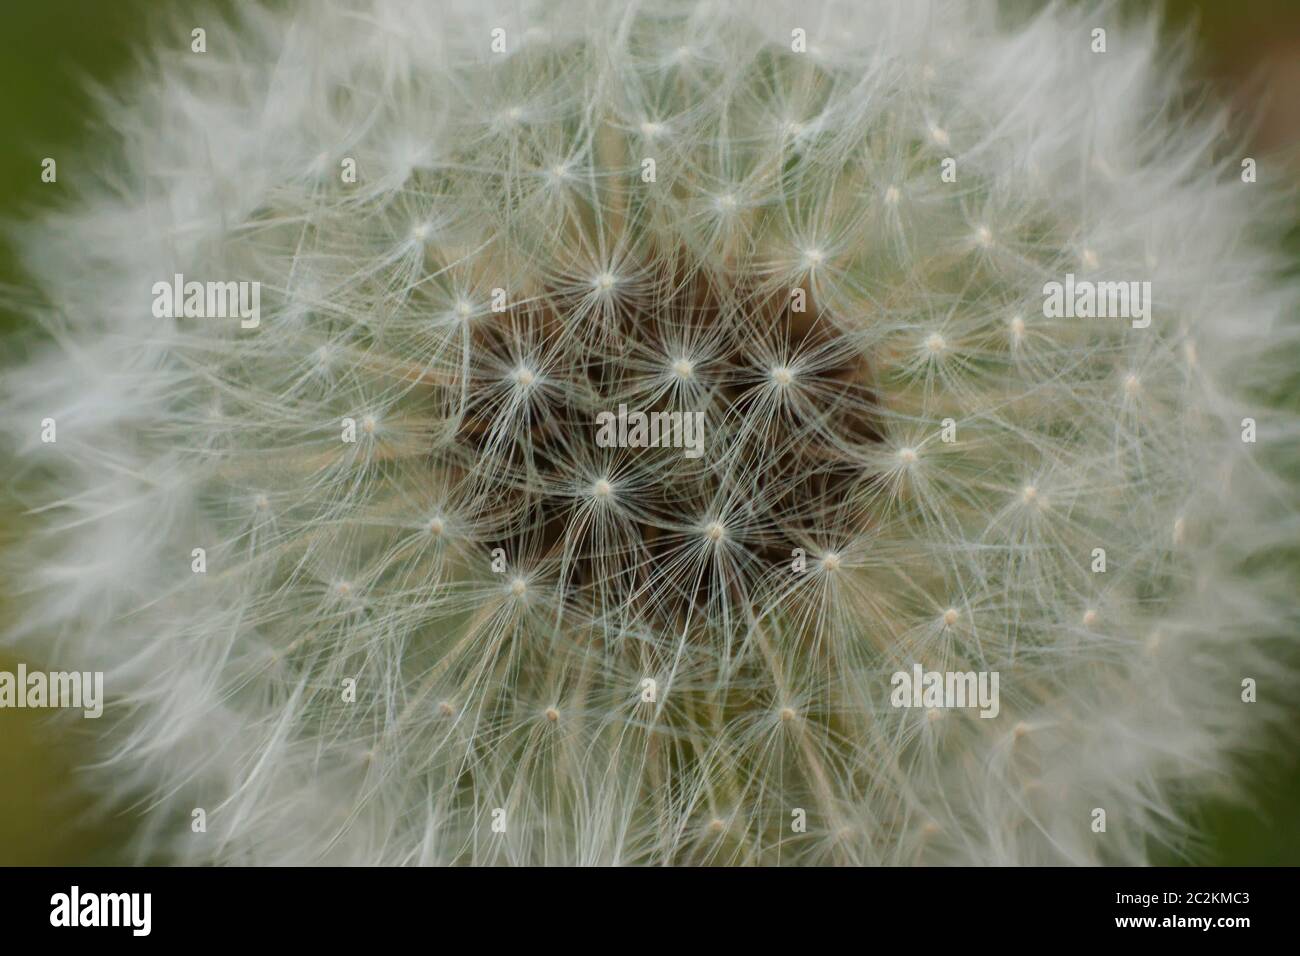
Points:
x=503, y=273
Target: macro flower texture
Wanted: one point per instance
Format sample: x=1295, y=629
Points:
x=661, y=434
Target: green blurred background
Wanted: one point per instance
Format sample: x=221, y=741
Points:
x=50, y=50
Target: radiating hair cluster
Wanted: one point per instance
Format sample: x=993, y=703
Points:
x=367, y=584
